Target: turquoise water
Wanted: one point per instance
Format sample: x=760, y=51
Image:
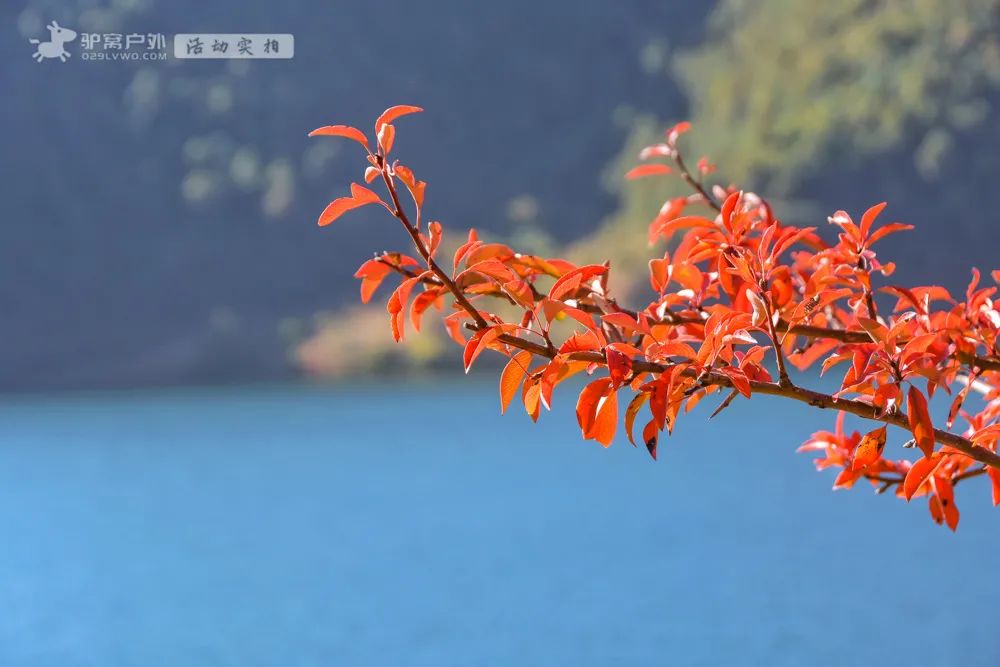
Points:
x=412, y=525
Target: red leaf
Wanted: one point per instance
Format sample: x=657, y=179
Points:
x=436, y=232
x=491, y=268
x=869, y=217
x=647, y=170
x=667, y=229
x=363, y=195
x=659, y=274
x=396, y=306
x=632, y=410
x=510, y=378
x=597, y=411
x=739, y=379
x=392, y=113
x=479, y=342
x=531, y=395
x=650, y=436
x=847, y=478
x=956, y=404
x=337, y=208
x=619, y=366
x=466, y=247
x=918, y=473
x=372, y=273
x=986, y=435
x=586, y=404
x=869, y=450
x=942, y=503
x=891, y=228
x=676, y=131
x=994, y=476
x=341, y=131
x=606, y=421
x=581, y=342
x=421, y=303
x=416, y=188
x=876, y=330
x=386, y=137
x=920, y=421
x=572, y=281
x=623, y=321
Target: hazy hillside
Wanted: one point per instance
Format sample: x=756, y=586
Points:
x=160, y=217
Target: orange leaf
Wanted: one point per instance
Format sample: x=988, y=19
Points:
x=918, y=473
x=531, y=394
x=846, y=478
x=396, y=306
x=619, y=366
x=623, y=321
x=339, y=207
x=676, y=131
x=942, y=503
x=647, y=170
x=659, y=274
x=510, y=378
x=479, y=342
x=572, y=281
x=363, y=195
x=650, y=436
x=386, y=137
x=606, y=419
x=869, y=217
x=869, y=450
x=994, y=476
x=667, y=229
x=632, y=410
x=956, y=404
x=466, y=247
x=891, y=228
x=392, y=113
x=920, y=421
x=341, y=131
x=739, y=379
x=436, y=232
x=421, y=303
x=586, y=404
x=372, y=273
x=875, y=330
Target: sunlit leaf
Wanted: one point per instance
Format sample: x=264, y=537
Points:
x=341, y=131
x=920, y=420
x=511, y=377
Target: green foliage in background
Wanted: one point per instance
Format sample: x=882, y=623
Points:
x=781, y=89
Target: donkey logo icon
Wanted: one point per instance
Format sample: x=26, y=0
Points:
x=54, y=47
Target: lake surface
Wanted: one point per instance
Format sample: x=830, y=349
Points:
x=411, y=524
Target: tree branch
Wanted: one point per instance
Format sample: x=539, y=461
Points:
x=793, y=392
x=783, y=388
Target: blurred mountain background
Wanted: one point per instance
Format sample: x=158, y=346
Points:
x=159, y=217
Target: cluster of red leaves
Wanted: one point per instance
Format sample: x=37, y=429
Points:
x=740, y=298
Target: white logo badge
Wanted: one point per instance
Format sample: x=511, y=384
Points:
x=54, y=47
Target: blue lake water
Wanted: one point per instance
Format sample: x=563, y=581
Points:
x=410, y=524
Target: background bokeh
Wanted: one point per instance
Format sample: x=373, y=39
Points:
x=210, y=454
x=160, y=216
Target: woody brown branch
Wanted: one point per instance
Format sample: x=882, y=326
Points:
x=801, y=394
x=796, y=393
